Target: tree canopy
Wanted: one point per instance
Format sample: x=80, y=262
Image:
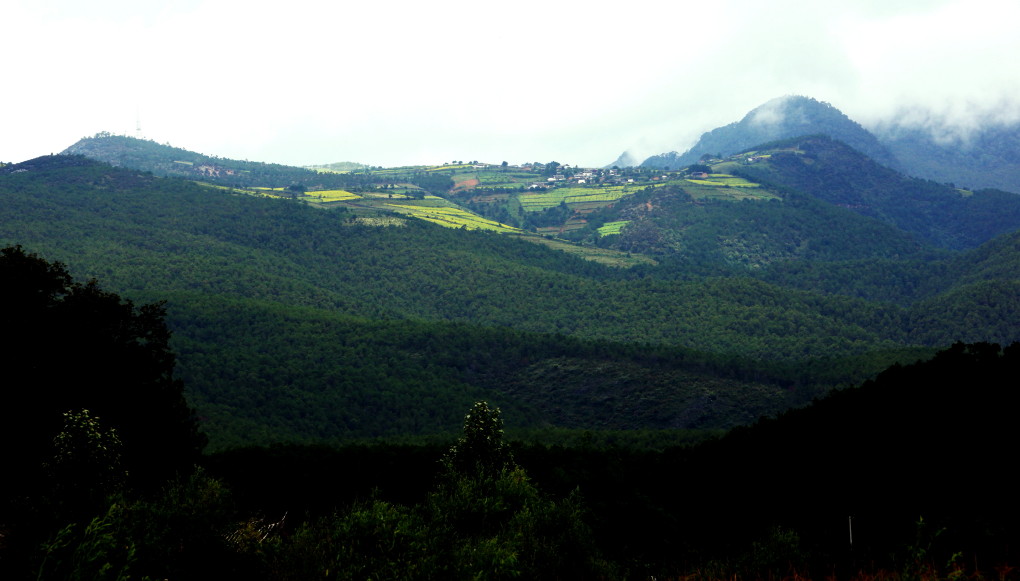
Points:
x=69, y=346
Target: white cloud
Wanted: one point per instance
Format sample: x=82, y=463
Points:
x=410, y=82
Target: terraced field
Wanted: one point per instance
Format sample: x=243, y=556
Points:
x=725, y=180
x=452, y=217
x=333, y=195
x=610, y=228
x=598, y=195
x=720, y=186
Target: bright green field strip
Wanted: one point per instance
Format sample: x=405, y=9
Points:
x=453, y=218
x=522, y=176
x=506, y=179
x=726, y=166
x=601, y=197
x=610, y=228
x=716, y=192
x=725, y=180
x=536, y=202
x=540, y=201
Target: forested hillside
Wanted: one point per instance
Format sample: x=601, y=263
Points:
x=939, y=214
x=255, y=320
x=168, y=161
x=91, y=504
x=297, y=324
x=983, y=157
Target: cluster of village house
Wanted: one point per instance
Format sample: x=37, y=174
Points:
x=579, y=176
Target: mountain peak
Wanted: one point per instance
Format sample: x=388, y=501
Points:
x=780, y=118
x=626, y=159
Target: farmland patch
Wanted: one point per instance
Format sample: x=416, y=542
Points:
x=452, y=217
x=610, y=228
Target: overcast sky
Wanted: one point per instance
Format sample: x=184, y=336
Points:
x=412, y=82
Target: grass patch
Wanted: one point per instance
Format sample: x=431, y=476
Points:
x=599, y=195
x=610, y=228
x=333, y=195
x=725, y=180
x=452, y=217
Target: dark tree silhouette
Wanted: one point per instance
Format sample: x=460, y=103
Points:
x=66, y=347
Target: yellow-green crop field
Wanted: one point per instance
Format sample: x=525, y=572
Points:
x=610, y=228
x=536, y=202
x=727, y=187
x=385, y=194
x=453, y=218
x=333, y=195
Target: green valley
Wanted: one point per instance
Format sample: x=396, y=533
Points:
x=667, y=348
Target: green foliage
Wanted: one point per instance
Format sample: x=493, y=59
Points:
x=722, y=237
x=481, y=449
x=86, y=465
x=74, y=346
x=637, y=508
x=484, y=520
x=183, y=529
x=179, y=532
x=98, y=551
x=779, y=551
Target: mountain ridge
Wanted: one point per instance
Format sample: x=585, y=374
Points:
x=978, y=157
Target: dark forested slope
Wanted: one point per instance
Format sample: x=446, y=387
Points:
x=982, y=157
x=942, y=215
